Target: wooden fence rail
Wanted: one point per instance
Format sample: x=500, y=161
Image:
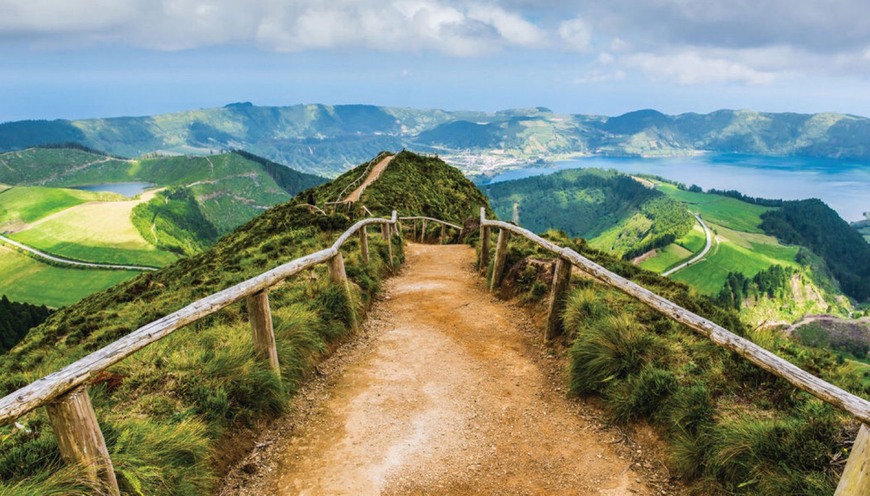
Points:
x=64, y=393
x=444, y=224
x=856, y=476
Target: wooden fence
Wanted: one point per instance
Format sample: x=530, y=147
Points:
x=64, y=393
x=855, y=480
x=424, y=221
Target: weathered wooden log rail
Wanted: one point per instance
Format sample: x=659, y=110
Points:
x=425, y=220
x=64, y=393
x=855, y=480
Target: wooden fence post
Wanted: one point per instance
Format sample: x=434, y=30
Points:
x=484, y=241
x=855, y=480
x=423, y=232
x=441, y=242
x=364, y=243
x=498, y=264
x=338, y=276
x=561, y=278
x=260, y=315
x=385, y=232
x=80, y=439
x=414, y=234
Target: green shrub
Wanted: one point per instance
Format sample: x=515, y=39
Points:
x=641, y=395
x=582, y=307
x=607, y=349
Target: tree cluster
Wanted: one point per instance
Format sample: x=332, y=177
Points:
x=16, y=319
x=813, y=224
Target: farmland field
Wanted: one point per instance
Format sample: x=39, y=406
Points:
x=95, y=232
x=25, y=204
x=736, y=252
x=666, y=257
x=25, y=279
x=722, y=210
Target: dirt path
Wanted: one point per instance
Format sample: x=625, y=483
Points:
x=373, y=176
x=446, y=395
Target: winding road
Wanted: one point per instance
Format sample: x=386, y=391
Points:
x=74, y=263
x=700, y=255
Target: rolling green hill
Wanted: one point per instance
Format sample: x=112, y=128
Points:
x=207, y=198
x=618, y=214
x=327, y=140
x=169, y=406
x=615, y=212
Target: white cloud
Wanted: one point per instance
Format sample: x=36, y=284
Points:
x=691, y=68
x=453, y=28
x=575, y=34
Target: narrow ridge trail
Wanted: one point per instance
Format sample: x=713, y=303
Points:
x=446, y=394
x=373, y=176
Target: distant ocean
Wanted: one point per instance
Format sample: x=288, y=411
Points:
x=843, y=185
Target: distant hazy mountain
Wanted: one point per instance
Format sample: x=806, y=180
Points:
x=328, y=139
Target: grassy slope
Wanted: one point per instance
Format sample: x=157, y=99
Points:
x=23, y=204
x=95, y=232
x=736, y=252
x=24, y=279
x=51, y=166
x=742, y=246
x=666, y=258
x=614, y=211
x=729, y=427
x=720, y=210
x=164, y=409
x=230, y=189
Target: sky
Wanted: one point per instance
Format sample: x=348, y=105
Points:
x=100, y=58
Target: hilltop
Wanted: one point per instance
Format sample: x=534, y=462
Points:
x=167, y=410
x=329, y=139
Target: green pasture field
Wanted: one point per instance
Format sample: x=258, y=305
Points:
x=736, y=252
x=666, y=257
x=25, y=204
x=101, y=232
x=722, y=210
x=25, y=279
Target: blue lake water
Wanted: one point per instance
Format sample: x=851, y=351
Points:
x=845, y=186
x=127, y=189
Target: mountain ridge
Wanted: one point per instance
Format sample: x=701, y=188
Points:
x=329, y=139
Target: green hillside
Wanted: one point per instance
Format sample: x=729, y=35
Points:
x=25, y=279
x=167, y=408
x=817, y=226
x=615, y=212
x=726, y=426
x=329, y=139
x=207, y=198
x=22, y=205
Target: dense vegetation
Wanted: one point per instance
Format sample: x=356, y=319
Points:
x=290, y=180
x=415, y=185
x=770, y=283
x=616, y=212
x=166, y=410
x=730, y=428
x=813, y=224
x=16, y=319
x=174, y=221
